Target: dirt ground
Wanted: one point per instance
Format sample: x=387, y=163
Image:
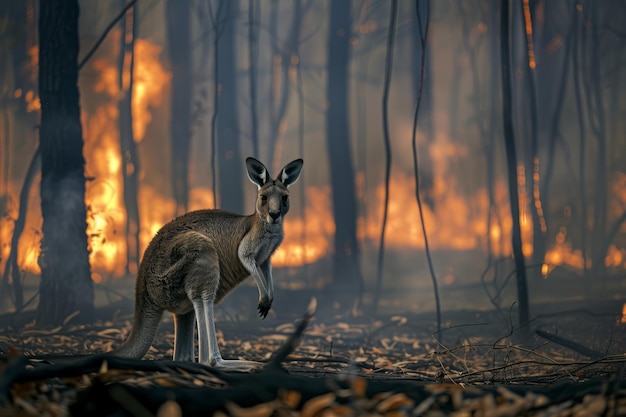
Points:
x=574, y=363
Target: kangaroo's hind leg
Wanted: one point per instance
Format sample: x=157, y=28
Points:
x=183, y=336
x=207, y=341
x=201, y=284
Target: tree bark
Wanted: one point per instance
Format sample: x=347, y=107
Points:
x=128, y=147
x=391, y=36
x=598, y=122
x=532, y=176
x=179, y=38
x=66, y=285
x=427, y=175
x=230, y=165
x=253, y=57
x=346, y=266
x=511, y=158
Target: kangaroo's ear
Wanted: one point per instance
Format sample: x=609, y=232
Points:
x=290, y=173
x=256, y=171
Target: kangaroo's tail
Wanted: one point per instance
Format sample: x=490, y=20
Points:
x=145, y=324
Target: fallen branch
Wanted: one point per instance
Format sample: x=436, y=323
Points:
x=576, y=347
x=294, y=340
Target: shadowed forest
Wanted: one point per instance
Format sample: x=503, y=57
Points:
x=460, y=216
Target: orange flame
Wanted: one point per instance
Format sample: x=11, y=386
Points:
x=104, y=198
x=456, y=220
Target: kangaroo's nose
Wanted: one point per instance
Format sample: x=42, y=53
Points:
x=274, y=215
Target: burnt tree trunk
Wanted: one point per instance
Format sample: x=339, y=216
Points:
x=254, y=11
x=128, y=147
x=427, y=175
x=346, y=266
x=230, y=165
x=511, y=159
x=391, y=36
x=283, y=73
x=532, y=176
x=597, y=121
x=66, y=285
x=179, y=38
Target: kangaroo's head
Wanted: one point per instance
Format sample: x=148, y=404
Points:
x=272, y=201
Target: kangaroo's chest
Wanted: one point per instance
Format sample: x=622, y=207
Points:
x=259, y=248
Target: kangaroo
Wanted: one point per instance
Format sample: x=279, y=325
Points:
x=194, y=261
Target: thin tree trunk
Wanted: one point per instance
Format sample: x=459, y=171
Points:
x=424, y=83
x=66, y=285
x=490, y=139
x=302, y=188
x=230, y=166
x=597, y=109
x=288, y=61
x=214, y=18
x=128, y=147
x=179, y=40
x=582, y=137
x=346, y=260
x=391, y=36
x=253, y=56
x=11, y=268
x=423, y=38
x=511, y=158
x=537, y=213
x=274, y=84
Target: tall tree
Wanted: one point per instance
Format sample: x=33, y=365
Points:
x=511, y=161
x=532, y=154
x=230, y=166
x=427, y=176
x=128, y=147
x=66, y=285
x=346, y=265
x=391, y=36
x=253, y=56
x=284, y=64
x=179, y=47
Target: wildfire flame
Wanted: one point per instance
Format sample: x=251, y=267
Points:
x=456, y=219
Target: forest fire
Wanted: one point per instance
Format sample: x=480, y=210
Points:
x=454, y=219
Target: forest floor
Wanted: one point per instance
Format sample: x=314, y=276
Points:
x=385, y=364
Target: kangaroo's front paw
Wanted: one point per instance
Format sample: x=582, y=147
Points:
x=265, y=304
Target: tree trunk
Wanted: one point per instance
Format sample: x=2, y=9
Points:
x=230, y=164
x=66, y=285
x=598, y=123
x=391, y=36
x=179, y=38
x=532, y=176
x=253, y=56
x=346, y=266
x=427, y=175
x=511, y=158
x=285, y=78
x=128, y=147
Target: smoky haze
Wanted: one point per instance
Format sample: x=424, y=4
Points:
x=255, y=83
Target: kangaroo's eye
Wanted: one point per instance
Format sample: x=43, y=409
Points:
x=285, y=199
x=264, y=198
